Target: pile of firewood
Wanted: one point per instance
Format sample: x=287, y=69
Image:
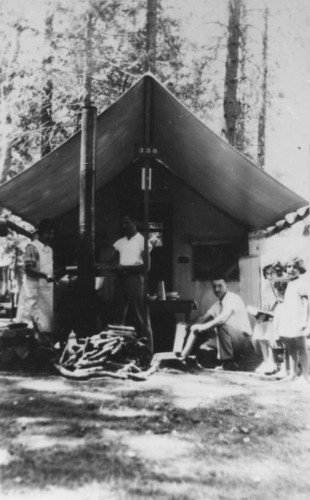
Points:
x=115, y=352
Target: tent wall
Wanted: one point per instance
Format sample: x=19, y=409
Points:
x=190, y=217
x=197, y=220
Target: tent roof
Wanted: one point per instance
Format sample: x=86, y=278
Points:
x=209, y=165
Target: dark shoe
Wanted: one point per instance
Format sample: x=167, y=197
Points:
x=207, y=357
x=230, y=365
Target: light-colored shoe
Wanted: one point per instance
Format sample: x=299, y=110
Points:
x=261, y=368
x=288, y=378
x=302, y=381
x=282, y=373
x=270, y=369
x=219, y=368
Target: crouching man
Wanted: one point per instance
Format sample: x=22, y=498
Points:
x=226, y=320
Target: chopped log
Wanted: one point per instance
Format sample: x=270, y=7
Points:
x=88, y=354
x=117, y=348
x=87, y=341
x=62, y=357
x=103, y=335
x=108, y=347
x=122, y=328
x=153, y=368
x=140, y=377
x=112, y=365
x=89, y=364
x=70, y=361
x=101, y=342
x=121, y=333
x=86, y=374
x=132, y=367
x=99, y=355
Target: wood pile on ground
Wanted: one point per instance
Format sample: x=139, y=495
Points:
x=115, y=352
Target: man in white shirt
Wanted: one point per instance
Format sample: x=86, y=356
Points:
x=229, y=319
x=129, y=285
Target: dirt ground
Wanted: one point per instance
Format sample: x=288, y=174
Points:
x=204, y=435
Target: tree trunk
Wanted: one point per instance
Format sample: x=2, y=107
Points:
x=6, y=141
x=232, y=107
x=151, y=17
x=6, y=117
x=263, y=110
x=46, y=112
x=88, y=59
x=240, y=141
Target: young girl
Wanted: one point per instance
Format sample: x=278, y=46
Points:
x=294, y=319
x=263, y=331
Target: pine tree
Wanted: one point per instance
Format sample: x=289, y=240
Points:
x=264, y=90
x=49, y=94
x=232, y=107
x=9, y=70
x=151, y=30
x=46, y=112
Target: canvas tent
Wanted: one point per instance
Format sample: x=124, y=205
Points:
x=206, y=196
x=186, y=147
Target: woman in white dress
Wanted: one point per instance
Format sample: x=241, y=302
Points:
x=36, y=299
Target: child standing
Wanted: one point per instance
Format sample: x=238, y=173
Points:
x=263, y=331
x=294, y=319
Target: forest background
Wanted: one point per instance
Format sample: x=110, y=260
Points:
x=242, y=66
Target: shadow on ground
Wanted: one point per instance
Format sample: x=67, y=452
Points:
x=140, y=443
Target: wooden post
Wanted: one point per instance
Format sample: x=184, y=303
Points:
x=148, y=136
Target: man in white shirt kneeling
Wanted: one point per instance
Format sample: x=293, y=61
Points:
x=226, y=320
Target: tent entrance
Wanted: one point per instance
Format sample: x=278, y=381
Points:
x=161, y=233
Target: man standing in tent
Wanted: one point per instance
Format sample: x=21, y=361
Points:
x=36, y=299
x=228, y=321
x=129, y=283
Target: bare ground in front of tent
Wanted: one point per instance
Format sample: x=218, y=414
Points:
x=186, y=436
